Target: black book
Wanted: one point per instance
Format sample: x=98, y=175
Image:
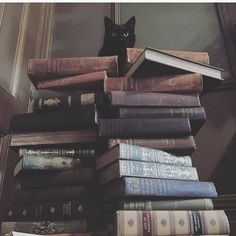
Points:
x=77, y=118
x=155, y=62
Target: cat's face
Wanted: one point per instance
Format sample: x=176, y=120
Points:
x=120, y=35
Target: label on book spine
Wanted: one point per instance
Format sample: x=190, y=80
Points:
x=87, y=99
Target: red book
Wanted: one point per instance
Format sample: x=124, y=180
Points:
x=182, y=83
x=44, y=69
x=93, y=79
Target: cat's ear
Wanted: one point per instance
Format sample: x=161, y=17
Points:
x=108, y=22
x=131, y=22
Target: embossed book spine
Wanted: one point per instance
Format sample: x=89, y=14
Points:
x=136, y=153
x=58, y=152
x=59, y=178
x=182, y=145
x=66, y=210
x=54, y=103
x=144, y=127
x=29, y=163
x=182, y=83
x=147, y=170
x=90, y=80
x=53, y=194
x=148, y=99
x=149, y=187
x=159, y=223
x=71, y=119
x=50, y=227
x=43, y=69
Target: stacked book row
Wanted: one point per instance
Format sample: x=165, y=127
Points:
x=111, y=155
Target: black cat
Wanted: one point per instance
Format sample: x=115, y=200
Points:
x=117, y=38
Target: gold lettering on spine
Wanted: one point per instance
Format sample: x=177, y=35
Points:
x=87, y=99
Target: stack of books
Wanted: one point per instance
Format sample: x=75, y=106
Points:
x=104, y=155
x=147, y=179
x=57, y=144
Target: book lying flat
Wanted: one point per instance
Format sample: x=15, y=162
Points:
x=151, y=188
x=181, y=146
x=150, y=99
x=147, y=170
x=155, y=223
x=136, y=153
x=156, y=62
x=48, y=68
x=181, y=83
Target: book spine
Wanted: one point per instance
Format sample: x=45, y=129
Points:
x=47, y=227
x=50, y=211
x=48, y=194
x=178, y=145
x=44, y=69
x=185, y=83
x=73, y=176
x=144, y=127
x=148, y=99
x=175, y=222
x=148, y=188
x=58, y=152
x=146, y=169
x=132, y=152
x=51, y=103
x=193, y=113
x=192, y=204
x=79, y=118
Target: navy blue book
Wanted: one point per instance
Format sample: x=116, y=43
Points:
x=150, y=187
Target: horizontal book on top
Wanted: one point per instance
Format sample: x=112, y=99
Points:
x=48, y=68
x=156, y=62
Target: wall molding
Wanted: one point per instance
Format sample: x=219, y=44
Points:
x=20, y=46
x=115, y=12
x=2, y=11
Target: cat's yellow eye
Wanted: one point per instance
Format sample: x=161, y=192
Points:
x=114, y=34
x=126, y=34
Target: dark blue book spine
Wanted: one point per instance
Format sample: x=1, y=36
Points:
x=171, y=188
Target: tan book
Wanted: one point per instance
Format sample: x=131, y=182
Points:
x=160, y=223
x=182, y=83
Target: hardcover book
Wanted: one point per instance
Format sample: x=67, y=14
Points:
x=160, y=223
x=82, y=192
x=136, y=153
x=181, y=83
x=185, y=204
x=51, y=227
x=146, y=169
x=71, y=119
x=65, y=210
x=196, y=115
x=161, y=127
x=92, y=80
x=149, y=188
x=53, y=138
x=182, y=145
x=155, y=62
x=201, y=57
x=138, y=99
x=64, y=102
x=58, y=178
x=43, y=69
x=30, y=163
